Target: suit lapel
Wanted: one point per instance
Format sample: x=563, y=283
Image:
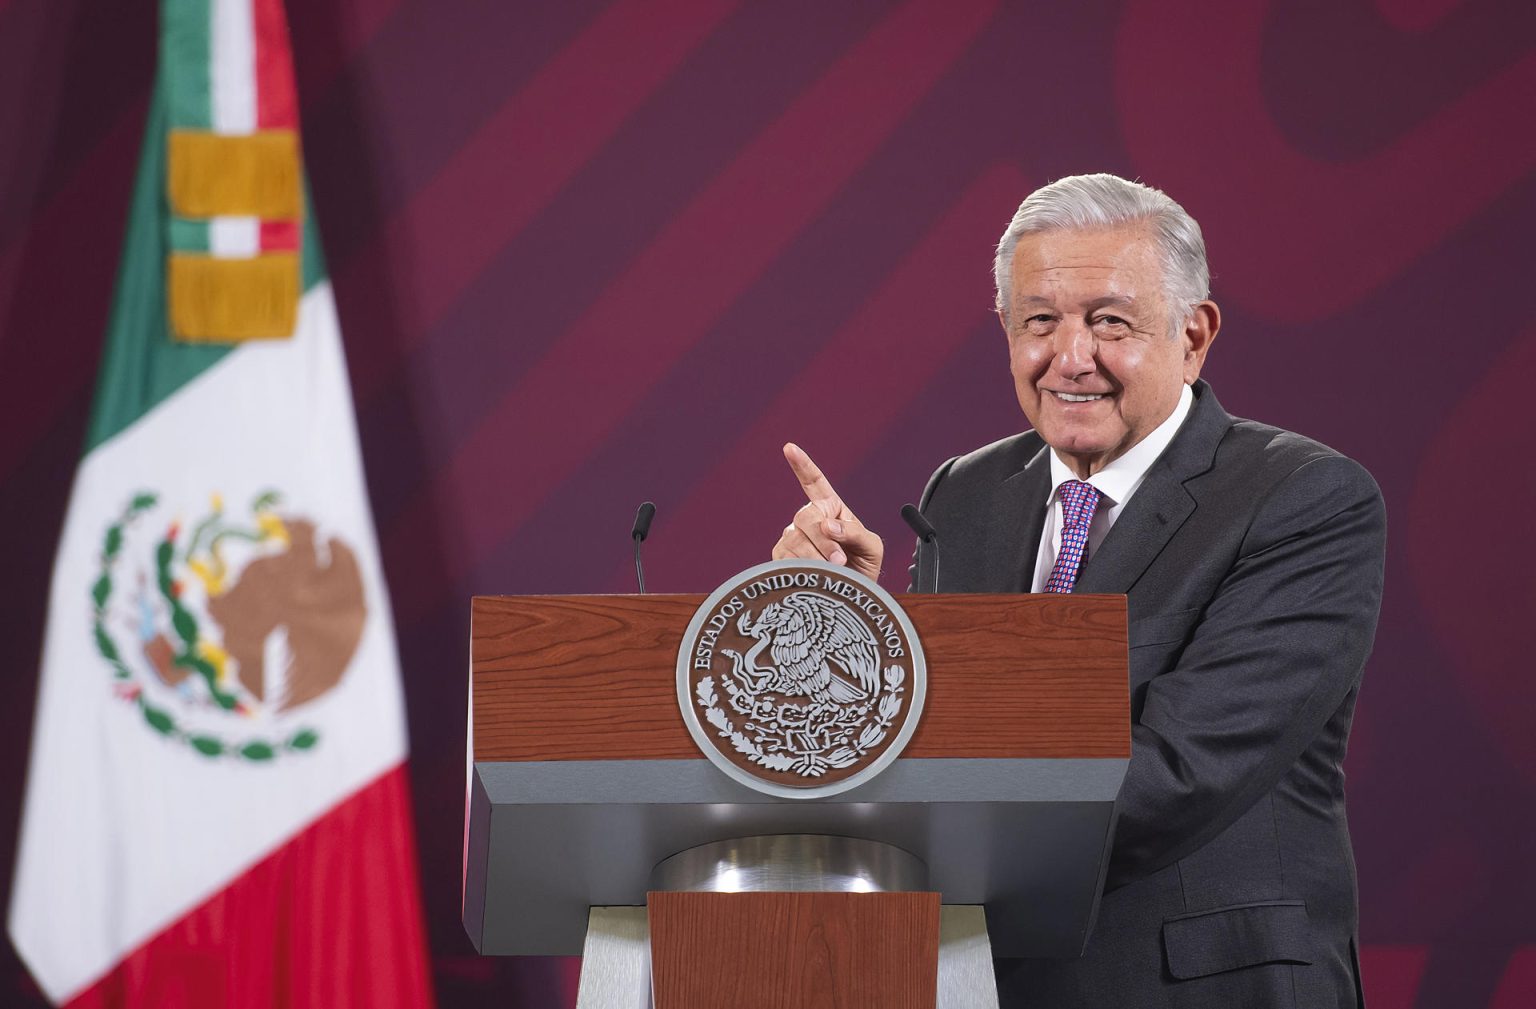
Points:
x=1022, y=496
x=1162, y=503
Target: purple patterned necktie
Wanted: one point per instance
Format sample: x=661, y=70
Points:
x=1079, y=501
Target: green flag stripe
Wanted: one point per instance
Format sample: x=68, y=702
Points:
x=311, y=256
x=190, y=236
x=186, y=50
x=141, y=365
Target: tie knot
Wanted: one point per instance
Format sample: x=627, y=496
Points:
x=1079, y=500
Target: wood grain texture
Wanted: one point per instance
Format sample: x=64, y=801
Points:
x=794, y=950
x=594, y=677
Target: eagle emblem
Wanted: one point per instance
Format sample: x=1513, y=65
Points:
x=820, y=650
x=802, y=677
x=221, y=630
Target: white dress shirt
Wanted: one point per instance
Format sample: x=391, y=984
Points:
x=1115, y=483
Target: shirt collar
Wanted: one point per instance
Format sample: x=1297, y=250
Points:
x=1119, y=479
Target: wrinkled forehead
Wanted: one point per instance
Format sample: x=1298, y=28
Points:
x=1087, y=266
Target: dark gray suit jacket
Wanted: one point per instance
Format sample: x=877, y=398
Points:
x=1252, y=562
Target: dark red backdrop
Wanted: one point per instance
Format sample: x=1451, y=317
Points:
x=588, y=253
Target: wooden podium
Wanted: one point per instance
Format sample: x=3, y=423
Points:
x=583, y=780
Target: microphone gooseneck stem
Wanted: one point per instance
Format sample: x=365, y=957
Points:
x=919, y=524
x=638, y=532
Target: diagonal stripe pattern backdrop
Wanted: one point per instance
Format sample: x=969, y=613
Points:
x=595, y=252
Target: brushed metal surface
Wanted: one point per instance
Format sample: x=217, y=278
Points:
x=616, y=960
x=689, y=782
x=1026, y=838
x=966, y=980
x=792, y=862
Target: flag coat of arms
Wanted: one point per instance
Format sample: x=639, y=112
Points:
x=217, y=810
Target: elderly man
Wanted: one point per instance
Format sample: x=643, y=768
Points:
x=1252, y=561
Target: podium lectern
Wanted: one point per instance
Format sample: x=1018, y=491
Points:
x=585, y=789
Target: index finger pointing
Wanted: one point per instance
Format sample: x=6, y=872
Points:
x=812, y=481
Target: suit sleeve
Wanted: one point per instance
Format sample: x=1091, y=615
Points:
x=922, y=505
x=1276, y=652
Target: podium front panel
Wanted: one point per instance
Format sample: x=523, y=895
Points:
x=584, y=777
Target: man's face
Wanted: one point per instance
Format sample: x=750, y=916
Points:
x=1095, y=365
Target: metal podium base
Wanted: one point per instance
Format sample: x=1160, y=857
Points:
x=616, y=959
x=792, y=863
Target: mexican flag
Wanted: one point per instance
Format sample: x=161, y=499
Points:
x=217, y=811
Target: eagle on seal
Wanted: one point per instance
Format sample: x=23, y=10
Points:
x=820, y=650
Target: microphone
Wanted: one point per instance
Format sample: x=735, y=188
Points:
x=925, y=532
x=641, y=530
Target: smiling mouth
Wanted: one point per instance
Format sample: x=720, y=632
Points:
x=1074, y=397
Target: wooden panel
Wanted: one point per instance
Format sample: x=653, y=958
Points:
x=1022, y=676
x=790, y=950
x=579, y=677
x=594, y=677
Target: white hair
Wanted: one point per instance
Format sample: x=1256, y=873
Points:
x=1093, y=202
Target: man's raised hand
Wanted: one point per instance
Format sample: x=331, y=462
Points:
x=825, y=529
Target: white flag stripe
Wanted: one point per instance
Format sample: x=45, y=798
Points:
x=126, y=830
x=232, y=66
x=234, y=237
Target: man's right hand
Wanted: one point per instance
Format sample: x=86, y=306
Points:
x=825, y=529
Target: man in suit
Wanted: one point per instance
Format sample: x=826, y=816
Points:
x=1252, y=562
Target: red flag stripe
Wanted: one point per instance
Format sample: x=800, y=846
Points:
x=677, y=288
x=279, y=236
x=276, y=102
x=337, y=906
x=496, y=182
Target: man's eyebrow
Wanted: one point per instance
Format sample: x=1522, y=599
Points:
x=1120, y=300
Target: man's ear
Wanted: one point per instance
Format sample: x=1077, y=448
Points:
x=1198, y=335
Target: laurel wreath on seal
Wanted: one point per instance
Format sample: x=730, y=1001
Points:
x=813, y=763
x=185, y=625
